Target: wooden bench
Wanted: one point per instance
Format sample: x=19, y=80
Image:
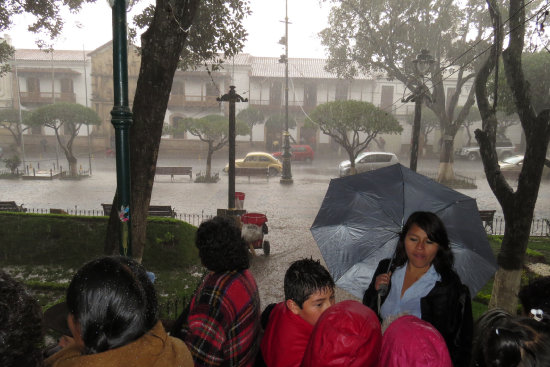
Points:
x=252, y=171
x=487, y=217
x=172, y=171
x=154, y=210
x=11, y=206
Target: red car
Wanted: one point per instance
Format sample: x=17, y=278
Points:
x=298, y=153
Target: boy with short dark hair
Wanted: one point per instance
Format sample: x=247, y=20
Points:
x=309, y=291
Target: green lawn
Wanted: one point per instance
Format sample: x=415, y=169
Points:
x=538, y=249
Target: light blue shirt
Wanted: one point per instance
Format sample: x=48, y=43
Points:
x=410, y=302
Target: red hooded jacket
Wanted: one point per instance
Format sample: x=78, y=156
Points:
x=347, y=334
x=412, y=342
x=285, y=338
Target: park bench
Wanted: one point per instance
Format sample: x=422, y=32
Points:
x=172, y=171
x=10, y=206
x=154, y=210
x=252, y=171
x=487, y=217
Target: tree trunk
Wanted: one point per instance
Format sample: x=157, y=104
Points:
x=73, y=165
x=505, y=290
x=162, y=44
x=446, y=160
x=518, y=206
x=209, y=161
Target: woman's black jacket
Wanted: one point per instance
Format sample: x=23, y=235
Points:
x=447, y=307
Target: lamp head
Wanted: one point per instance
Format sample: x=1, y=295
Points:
x=423, y=62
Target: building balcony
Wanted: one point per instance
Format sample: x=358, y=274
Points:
x=267, y=106
x=46, y=97
x=180, y=100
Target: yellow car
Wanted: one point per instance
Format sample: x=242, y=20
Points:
x=259, y=160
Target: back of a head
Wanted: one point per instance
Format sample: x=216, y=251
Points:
x=536, y=295
x=412, y=342
x=347, y=334
x=113, y=301
x=486, y=323
x=305, y=277
x=220, y=245
x=521, y=342
x=20, y=325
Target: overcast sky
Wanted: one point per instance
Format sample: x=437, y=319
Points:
x=92, y=28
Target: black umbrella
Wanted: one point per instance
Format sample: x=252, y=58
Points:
x=361, y=216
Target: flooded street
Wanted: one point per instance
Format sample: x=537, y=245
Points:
x=290, y=209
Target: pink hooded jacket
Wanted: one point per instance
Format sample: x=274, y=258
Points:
x=347, y=334
x=412, y=342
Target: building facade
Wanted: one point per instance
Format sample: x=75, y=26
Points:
x=40, y=77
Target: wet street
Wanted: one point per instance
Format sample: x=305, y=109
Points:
x=290, y=209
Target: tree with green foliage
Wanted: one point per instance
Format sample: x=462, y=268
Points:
x=12, y=163
x=536, y=67
x=517, y=206
x=212, y=130
x=65, y=119
x=385, y=37
x=354, y=124
x=274, y=126
x=11, y=120
x=178, y=34
x=251, y=116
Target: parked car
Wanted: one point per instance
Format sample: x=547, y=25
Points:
x=259, y=160
x=511, y=167
x=1, y=152
x=298, y=153
x=504, y=147
x=368, y=161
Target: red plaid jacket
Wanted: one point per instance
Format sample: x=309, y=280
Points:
x=223, y=325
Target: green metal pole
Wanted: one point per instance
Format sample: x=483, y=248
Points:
x=121, y=120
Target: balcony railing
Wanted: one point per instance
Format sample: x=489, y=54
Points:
x=179, y=100
x=266, y=105
x=47, y=97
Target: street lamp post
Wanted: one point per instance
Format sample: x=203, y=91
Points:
x=286, y=176
x=231, y=97
x=422, y=65
x=121, y=120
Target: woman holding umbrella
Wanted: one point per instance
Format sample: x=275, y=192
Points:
x=420, y=280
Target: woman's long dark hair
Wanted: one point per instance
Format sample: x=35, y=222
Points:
x=435, y=229
x=113, y=301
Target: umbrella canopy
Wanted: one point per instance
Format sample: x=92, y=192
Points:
x=361, y=217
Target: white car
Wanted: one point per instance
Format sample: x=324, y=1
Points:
x=368, y=161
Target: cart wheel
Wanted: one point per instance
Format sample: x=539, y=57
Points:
x=266, y=248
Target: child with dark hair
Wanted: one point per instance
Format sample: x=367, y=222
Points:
x=222, y=326
x=113, y=319
x=513, y=342
x=486, y=323
x=20, y=325
x=309, y=291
